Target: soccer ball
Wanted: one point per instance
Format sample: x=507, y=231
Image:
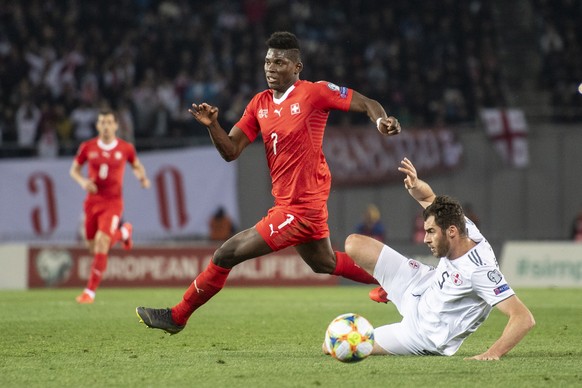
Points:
x=349, y=338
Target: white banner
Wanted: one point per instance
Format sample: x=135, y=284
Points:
x=39, y=201
x=507, y=129
x=542, y=264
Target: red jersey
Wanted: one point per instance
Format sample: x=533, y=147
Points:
x=106, y=163
x=292, y=128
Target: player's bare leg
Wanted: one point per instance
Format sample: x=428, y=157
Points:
x=364, y=251
x=320, y=256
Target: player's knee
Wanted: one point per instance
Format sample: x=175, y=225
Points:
x=102, y=242
x=225, y=257
x=353, y=244
x=220, y=257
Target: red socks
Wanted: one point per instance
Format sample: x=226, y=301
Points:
x=97, y=270
x=207, y=284
x=210, y=281
x=346, y=267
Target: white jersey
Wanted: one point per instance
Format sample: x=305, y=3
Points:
x=460, y=295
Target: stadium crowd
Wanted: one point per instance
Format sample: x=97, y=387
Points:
x=431, y=63
x=561, y=51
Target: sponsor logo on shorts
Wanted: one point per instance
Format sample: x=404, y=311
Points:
x=501, y=289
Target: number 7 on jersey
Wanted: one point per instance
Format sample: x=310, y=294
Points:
x=274, y=138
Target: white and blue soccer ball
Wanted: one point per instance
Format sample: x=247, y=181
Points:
x=349, y=338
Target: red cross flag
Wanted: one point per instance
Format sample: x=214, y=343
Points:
x=507, y=129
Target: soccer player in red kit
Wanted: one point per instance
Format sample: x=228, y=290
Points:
x=291, y=117
x=106, y=156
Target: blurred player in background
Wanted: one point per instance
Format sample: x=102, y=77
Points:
x=441, y=306
x=106, y=156
x=291, y=117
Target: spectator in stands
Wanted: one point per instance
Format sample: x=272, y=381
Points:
x=126, y=123
x=47, y=145
x=371, y=224
x=83, y=118
x=64, y=127
x=220, y=226
x=395, y=68
x=27, y=119
x=559, y=43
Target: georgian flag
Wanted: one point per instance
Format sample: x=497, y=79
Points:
x=507, y=129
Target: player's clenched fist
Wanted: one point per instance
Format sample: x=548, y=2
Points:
x=388, y=126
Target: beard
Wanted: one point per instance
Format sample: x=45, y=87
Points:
x=442, y=246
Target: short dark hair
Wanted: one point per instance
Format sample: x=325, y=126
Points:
x=108, y=111
x=447, y=211
x=283, y=40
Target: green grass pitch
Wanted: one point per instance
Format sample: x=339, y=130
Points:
x=262, y=337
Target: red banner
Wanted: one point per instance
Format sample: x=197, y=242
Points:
x=359, y=156
x=165, y=267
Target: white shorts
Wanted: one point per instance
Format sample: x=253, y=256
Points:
x=404, y=280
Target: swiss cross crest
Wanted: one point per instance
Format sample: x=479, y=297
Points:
x=117, y=155
x=456, y=278
x=295, y=110
x=263, y=113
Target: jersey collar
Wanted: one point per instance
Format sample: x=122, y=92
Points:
x=284, y=96
x=107, y=147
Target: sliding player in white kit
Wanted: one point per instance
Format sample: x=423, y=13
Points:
x=441, y=306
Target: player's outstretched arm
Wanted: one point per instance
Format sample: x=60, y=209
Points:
x=386, y=125
x=520, y=322
x=229, y=146
x=419, y=189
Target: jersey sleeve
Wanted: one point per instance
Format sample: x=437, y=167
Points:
x=81, y=156
x=331, y=96
x=248, y=123
x=490, y=284
x=131, y=153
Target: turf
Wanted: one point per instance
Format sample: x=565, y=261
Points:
x=261, y=337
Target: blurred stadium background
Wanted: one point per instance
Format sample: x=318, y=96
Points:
x=486, y=91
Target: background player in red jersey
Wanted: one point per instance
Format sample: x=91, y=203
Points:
x=106, y=156
x=291, y=117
